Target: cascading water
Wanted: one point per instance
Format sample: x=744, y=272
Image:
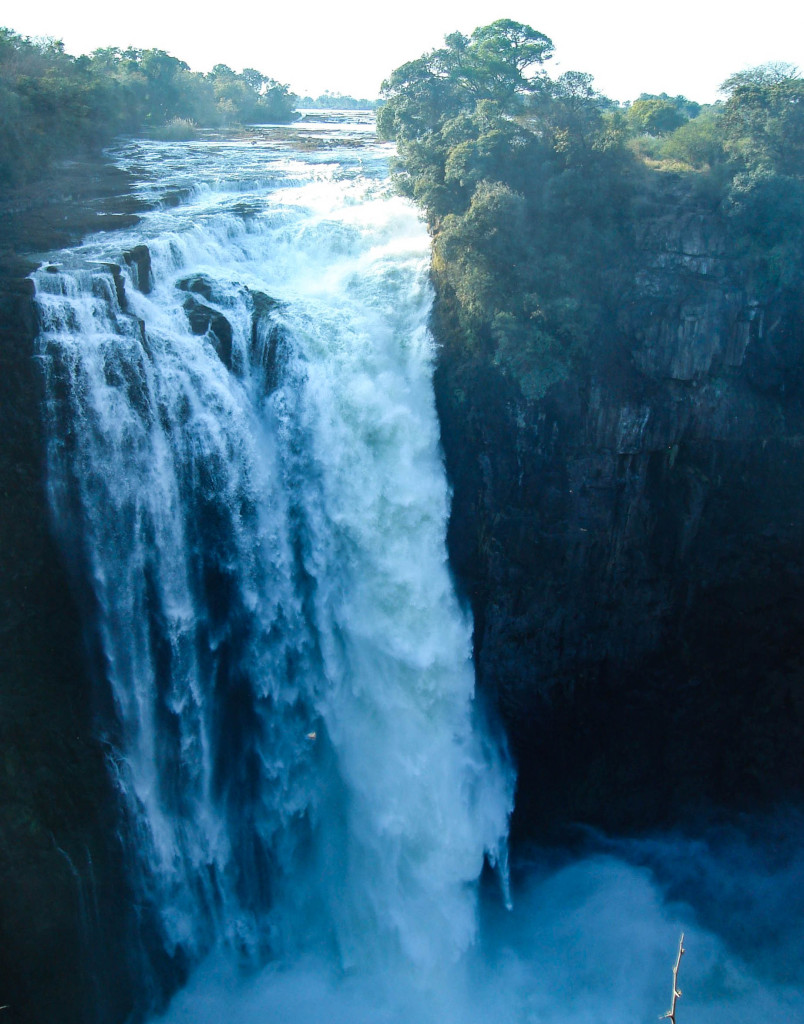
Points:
x=244, y=468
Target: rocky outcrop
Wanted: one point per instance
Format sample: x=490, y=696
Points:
x=139, y=260
x=632, y=544
x=209, y=322
x=213, y=325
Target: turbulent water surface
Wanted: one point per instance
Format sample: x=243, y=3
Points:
x=245, y=473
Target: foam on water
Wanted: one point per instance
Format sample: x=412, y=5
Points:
x=263, y=535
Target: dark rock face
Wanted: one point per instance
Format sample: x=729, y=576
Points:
x=198, y=284
x=207, y=321
x=632, y=546
x=139, y=259
x=204, y=320
x=266, y=337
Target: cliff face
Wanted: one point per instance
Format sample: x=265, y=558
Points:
x=631, y=543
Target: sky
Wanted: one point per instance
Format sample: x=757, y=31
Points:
x=350, y=46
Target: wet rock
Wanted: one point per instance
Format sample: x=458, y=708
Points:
x=198, y=284
x=213, y=325
x=263, y=304
x=78, y=197
x=174, y=196
x=139, y=259
x=71, y=940
x=60, y=958
x=119, y=284
x=266, y=336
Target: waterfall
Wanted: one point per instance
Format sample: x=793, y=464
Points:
x=245, y=478
x=244, y=471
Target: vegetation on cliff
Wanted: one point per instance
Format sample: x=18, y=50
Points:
x=52, y=105
x=534, y=187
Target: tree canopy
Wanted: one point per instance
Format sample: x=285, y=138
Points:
x=501, y=62
x=763, y=119
x=533, y=187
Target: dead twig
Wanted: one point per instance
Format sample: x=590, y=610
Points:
x=671, y=1013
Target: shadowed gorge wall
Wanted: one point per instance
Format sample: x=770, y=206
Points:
x=631, y=541
x=59, y=861
x=620, y=392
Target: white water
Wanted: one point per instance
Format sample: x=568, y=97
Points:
x=295, y=733
x=291, y=719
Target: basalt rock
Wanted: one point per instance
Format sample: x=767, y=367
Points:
x=266, y=336
x=213, y=325
x=119, y=285
x=139, y=259
x=632, y=545
x=198, y=284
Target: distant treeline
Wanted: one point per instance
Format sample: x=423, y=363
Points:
x=53, y=104
x=337, y=101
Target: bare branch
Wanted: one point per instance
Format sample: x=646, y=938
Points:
x=671, y=1013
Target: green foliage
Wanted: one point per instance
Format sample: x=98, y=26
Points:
x=697, y=143
x=177, y=129
x=575, y=120
x=53, y=105
x=533, y=190
x=337, y=101
x=654, y=116
x=767, y=211
x=686, y=108
x=46, y=102
x=479, y=252
x=763, y=119
x=494, y=63
x=762, y=134
x=522, y=181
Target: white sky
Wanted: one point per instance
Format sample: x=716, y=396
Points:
x=349, y=46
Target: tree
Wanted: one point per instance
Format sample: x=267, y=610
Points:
x=495, y=63
x=698, y=142
x=53, y=104
x=254, y=79
x=655, y=116
x=501, y=54
x=763, y=119
x=163, y=94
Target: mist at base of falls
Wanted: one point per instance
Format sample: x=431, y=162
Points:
x=245, y=475
x=590, y=937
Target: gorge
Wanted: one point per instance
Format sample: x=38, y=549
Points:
x=239, y=728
